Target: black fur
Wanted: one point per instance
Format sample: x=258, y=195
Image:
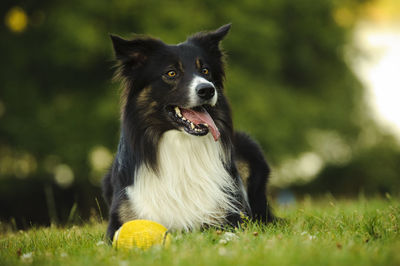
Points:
x=142, y=64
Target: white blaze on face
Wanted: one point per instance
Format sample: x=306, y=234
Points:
x=193, y=97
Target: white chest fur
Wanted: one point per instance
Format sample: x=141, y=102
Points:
x=191, y=187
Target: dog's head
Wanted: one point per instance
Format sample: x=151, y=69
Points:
x=173, y=86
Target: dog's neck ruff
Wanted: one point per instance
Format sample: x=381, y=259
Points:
x=191, y=187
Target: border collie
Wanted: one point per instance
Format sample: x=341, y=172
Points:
x=179, y=161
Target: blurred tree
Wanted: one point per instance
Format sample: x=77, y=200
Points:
x=286, y=78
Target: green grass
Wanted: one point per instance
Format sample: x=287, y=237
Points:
x=318, y=232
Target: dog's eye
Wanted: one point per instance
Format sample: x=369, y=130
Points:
x=205, y=71
x=171, y=74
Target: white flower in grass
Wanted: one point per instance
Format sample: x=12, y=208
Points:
x=230, y=236
x=100, y=243
x=227, y=237
x=223, y=241
x=27, y=257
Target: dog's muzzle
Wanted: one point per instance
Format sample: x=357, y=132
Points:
x=202, y=91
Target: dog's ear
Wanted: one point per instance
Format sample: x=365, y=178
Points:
x=220, y=33
x=210, y=40
x=135, y=51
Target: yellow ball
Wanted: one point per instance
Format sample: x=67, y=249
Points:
x=141, y=234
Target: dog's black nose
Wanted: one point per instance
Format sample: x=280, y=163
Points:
x=205, y=91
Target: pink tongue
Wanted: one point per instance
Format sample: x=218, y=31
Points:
x=202, y=117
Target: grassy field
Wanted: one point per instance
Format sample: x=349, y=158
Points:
x=318, y=232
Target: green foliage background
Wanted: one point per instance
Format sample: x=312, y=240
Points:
x=287, y=79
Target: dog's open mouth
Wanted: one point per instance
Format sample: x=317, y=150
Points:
x=196, y=121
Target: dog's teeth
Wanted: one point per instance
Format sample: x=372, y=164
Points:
x=192, y=125
x=178, y=111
